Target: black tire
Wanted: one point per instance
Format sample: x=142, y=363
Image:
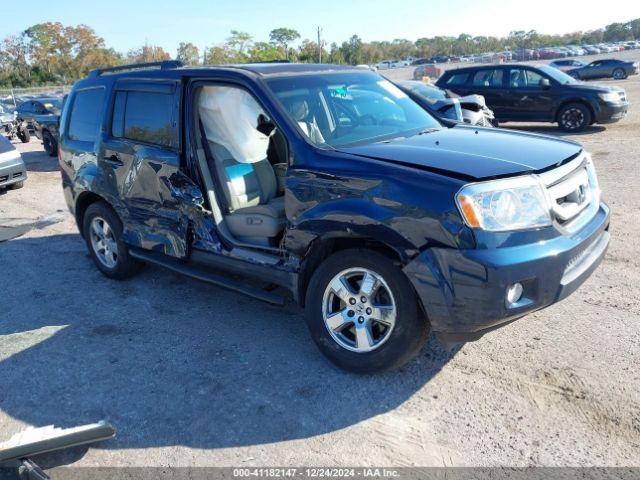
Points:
x=574, y=117
x=17, y=185
x=575, y=75
x=125, y=265
x=404, y=340
x=50, y=144
x=24, y=135
x=619, y=74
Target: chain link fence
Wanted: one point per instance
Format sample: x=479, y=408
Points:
x=15, y=95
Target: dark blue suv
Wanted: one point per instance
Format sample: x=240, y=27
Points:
x=329, y=183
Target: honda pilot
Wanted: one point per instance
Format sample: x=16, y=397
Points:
x=329, y=184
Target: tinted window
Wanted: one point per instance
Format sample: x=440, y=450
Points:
x=85, y=115
x=147, y=117
x=488, y=78
x=458, y=79
x=523, y=78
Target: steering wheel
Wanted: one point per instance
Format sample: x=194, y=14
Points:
x=367, y=119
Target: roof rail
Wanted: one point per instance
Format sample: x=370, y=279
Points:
x=164, y=65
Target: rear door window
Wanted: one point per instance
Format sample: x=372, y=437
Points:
x=524, y=78
x=143, y=116
x=85, y=115
x=488, y=78
x=458, y=79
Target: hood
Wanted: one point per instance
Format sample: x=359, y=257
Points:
x=477, y=99
x=594, y=87
x=471, y=152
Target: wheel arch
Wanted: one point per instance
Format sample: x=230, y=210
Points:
x=322, y=247
x=579, y=100
x=84, y=200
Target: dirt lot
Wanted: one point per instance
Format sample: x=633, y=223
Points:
x=190, y=374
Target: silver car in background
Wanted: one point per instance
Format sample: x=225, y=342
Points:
x=471, y=109
x=13, y=172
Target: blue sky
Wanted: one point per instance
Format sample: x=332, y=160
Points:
x=128, y=24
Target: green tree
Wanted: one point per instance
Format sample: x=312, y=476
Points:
x=240, y=42
x=147, y=53
x=221, y=55
x=283, y=37
x=309, y=51
x=335, y=54
x=188, y=54
x=264, y=52
x=352, y=50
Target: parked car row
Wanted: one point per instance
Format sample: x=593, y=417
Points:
x=33, y=115
x=542, y=53
x=42, y=115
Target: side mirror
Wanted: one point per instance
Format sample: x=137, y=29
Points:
x=545, y=83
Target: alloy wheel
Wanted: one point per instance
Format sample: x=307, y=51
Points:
x=104, y=242
x=47, y=143
x=359, y=310
x=572, y=118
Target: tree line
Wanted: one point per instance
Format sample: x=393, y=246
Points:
x=49, y=53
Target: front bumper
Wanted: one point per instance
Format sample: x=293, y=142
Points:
x=611, y=112
x=463, y=291
x=12, y=171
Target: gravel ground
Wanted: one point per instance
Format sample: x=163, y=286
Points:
x=190, y=374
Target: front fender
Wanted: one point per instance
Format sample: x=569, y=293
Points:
x=404, y=208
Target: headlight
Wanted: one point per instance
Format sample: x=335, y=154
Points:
x=501, y=205
x=610, y=97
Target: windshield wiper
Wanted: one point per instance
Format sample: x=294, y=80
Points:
x=428, y=130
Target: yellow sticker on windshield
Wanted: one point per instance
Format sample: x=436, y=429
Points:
x=392, y=89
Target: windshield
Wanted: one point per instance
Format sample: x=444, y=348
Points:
x=343, y=109
x=5, y=109
x=428, y=92
x=557, y=75
x=53, y=105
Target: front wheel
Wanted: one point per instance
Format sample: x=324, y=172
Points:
x=49, y=143
x=362, y=312
x=574, y=117
x=24, y=135
x=102, y=231
x=619, y=74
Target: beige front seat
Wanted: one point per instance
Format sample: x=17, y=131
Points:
x=255, y=213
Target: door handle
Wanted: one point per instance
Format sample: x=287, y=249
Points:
x=114, y=160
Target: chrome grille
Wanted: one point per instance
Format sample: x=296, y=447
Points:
x=573, y=192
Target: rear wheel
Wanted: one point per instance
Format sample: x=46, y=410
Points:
x=102, y=231
x=49, y=143
x=24, y=135
x=619, y=74
x=362, y=312
x=574, y=117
